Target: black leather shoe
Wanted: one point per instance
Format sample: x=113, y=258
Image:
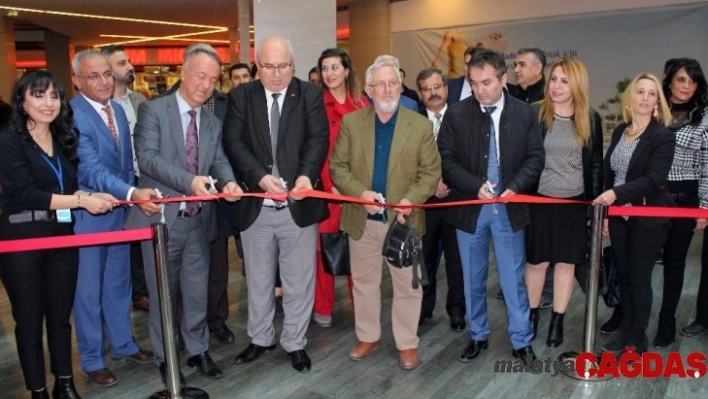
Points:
x=617, y=345
x=64, y=389
x=614, y=323
x=41, y=394
x=301, y=362
x=500, y=295
x=555, y=330
x=665, y=332
x=546, y=301
x=163, y=374
x=473, y=350
x=205, y=365
x=533, y=316
x=526, y=354
x=251, y=353
x=224, y=335
x=457, y=323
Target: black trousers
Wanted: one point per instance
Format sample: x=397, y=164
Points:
x=634, y=251
x=675, y=252
x=218, y=300
x=41, y=286
x=702, y=299
x=439, y=238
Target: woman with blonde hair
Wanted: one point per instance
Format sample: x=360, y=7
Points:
x=636, y=168
x=558, y=235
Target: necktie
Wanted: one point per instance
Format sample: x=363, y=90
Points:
x=192, y=151
x=274, y=125
x=493, y=170
x=436, y=125
x=112, y=125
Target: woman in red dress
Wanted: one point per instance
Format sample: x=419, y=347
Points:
x=342, y=95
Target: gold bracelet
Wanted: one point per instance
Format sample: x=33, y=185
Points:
x=78, y=200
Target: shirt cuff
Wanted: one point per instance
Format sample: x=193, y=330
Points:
x=130, y=194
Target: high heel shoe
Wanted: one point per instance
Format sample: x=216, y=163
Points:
x=555, y=330
x=64, y=389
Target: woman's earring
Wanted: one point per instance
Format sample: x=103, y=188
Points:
x=656, y=112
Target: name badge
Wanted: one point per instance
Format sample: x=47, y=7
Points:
x=64, y=215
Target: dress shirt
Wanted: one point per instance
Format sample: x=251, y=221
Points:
x=496, y=116
x=269, y=103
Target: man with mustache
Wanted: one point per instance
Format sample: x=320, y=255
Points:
x=129, y=100
x=432, y=88
x=383, y=151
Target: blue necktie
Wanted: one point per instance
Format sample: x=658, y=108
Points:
x=493, y=170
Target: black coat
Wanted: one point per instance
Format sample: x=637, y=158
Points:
x=647, y=172
x=303, y=143
x=464, y=147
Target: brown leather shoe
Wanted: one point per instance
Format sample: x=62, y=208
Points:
x=408, y=359
x=139, y=357
x=143, y=303
x=102, y=377
x=363, y=349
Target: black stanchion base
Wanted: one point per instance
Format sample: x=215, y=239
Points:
x=571, y=372
x=187, y=392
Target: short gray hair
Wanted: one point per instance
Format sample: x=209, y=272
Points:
x=89, y=53
x=200, y=48
x=284, y=39
x=383, y=61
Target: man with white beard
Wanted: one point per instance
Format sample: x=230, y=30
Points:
x=384, y=151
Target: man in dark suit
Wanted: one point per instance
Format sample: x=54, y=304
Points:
x=123, y=77
x=383, y=151
x=105, y=165
x=459, y=88
x=276, y=137
x=491, y=146
x=439, y=234
x=179, y=149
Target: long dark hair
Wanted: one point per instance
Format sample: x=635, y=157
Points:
x=694, y=71
x=351, y=83
x=62, y=127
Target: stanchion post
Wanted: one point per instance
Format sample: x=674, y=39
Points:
x=174, y=390
x=593, y=280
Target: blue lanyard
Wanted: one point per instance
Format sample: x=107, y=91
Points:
x=57, y=170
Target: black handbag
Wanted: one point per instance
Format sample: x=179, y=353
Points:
x=335, y=253
x=403, y=248
x=612, y=296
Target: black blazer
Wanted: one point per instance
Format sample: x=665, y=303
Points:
x=454, y=90
x=647, y=172
x=303, y=142
x=463, y=142
x=592, y=157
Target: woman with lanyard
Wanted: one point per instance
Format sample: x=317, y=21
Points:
x=39, y=188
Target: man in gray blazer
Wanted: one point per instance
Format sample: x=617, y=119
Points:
x=178, y=158
x=123, y=77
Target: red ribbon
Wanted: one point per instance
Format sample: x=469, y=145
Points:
x=77, y=240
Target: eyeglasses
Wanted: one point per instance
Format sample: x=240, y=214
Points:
x=431, y=88
x=383, y=85
x=271, y=67
x=96, y=76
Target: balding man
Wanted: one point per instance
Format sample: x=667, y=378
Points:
x=276, y=137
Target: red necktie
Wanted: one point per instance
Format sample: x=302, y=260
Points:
x=192, y=150
x=112, y=125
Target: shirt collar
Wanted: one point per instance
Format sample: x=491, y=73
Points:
x=96, y=105
x=499, y=104
x=270, y=93
x=431, y=114
x=183, y=106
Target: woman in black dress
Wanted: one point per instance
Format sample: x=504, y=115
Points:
x=39, y=188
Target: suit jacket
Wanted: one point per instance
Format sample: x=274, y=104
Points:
x=464, y=147
x=101, y=167
x=454, y=90
x=135, y=100
x=413, y=165
x=303, y=141
x=159, y=143
x=221, y=104
x=647, y=172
